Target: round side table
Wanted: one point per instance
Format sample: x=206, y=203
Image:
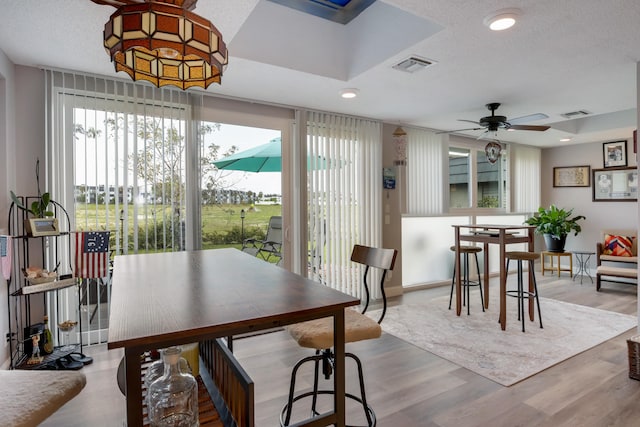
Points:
x=582, y=259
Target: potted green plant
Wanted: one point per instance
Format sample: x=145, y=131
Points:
x=554, y=224
x=39, y=208
x=42, y=222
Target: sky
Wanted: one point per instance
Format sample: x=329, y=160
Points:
x=91, y=168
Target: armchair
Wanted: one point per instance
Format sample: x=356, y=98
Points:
x=617, y=257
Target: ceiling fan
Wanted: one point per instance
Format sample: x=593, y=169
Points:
x=493, y=122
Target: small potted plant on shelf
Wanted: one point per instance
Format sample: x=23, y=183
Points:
x=42, y=222
x=554, y=224
x=39, y=208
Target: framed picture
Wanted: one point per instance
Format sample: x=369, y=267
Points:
x=614, y=154
x=572, y=176
x=615, y=185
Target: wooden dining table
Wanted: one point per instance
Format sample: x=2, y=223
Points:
x=165, y=299
x=502, y=235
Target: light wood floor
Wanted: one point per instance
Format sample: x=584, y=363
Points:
x=407, y=386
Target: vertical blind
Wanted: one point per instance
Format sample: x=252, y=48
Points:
x=344, y=196
x=112, y=143
x=525, y=178
x=116, y=160
x=425, y=173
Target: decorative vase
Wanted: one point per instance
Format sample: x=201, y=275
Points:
x=553, y=244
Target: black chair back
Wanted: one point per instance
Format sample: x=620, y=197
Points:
x=381, y=258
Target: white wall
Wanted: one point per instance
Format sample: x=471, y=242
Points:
x=7, y=174
x=22, y=140
x=599, y=215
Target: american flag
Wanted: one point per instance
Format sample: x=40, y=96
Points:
x=92, y=254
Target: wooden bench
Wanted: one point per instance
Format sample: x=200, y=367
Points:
x=616, y=268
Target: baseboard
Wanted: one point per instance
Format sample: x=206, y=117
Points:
x=394, y=291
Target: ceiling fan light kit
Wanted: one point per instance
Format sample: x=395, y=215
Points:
x=502, y=19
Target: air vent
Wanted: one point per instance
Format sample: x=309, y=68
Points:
x=413, y=64
x=575, y=114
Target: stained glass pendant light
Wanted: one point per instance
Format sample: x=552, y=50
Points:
x=493, y=150
x=163, y=42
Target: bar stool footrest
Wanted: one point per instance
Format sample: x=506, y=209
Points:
x=311, y=393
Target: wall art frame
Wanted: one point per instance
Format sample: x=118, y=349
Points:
x=615, y=184
x=572, y=176
x=614, y=154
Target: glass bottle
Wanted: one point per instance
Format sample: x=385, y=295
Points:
x=47, y=345
x=156, y=369
x=173, y=398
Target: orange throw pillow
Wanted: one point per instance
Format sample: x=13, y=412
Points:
x=618, y=245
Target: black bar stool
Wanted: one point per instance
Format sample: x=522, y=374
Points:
x=318, y=334
x=520, y=293
x=465, y=281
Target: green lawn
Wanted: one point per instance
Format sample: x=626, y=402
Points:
x=221, y=224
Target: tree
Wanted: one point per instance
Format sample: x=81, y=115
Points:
x=160, y=160
x=213, y=179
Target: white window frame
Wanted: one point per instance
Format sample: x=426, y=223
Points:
x=476, y=148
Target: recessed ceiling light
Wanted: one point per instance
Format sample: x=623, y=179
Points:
x=502, y=19
x=349, y=93
x=565, y=139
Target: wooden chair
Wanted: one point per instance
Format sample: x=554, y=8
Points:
x=318, y=334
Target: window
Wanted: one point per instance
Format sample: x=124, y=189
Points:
x=475, y=183
x=491, y=184
x=459, y=178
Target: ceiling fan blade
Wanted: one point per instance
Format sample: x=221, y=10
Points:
x=470, y=121
x=528, y=118
x=457, y=130
x=529, y=127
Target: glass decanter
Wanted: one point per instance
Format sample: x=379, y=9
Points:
x=156, y=369
x=173, y=397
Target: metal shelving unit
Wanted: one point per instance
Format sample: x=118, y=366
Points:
x=29, y=302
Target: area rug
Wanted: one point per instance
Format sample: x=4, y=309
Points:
x=477, y=343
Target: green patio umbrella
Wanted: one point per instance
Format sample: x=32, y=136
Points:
x=263, y=158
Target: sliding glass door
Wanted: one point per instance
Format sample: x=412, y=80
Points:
x=240, y=183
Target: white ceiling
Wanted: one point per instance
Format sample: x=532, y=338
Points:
x=562, y=56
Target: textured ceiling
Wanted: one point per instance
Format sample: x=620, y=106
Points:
x=561, y=56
